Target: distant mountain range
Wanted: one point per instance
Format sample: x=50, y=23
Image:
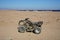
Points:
x=29, y=10
x=40, y=10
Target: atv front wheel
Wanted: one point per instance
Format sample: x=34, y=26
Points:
x=37, y=30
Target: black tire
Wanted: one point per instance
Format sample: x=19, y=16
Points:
x=37, y=30
x=21, y=29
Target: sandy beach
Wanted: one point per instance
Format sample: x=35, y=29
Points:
x=9, y=22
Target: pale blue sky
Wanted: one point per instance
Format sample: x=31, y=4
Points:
x=30, y=4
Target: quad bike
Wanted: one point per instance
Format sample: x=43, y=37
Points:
x=27, y=25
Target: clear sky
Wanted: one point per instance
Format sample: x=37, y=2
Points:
x=30, y=4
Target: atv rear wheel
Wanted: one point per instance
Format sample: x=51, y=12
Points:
x=21, y=29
